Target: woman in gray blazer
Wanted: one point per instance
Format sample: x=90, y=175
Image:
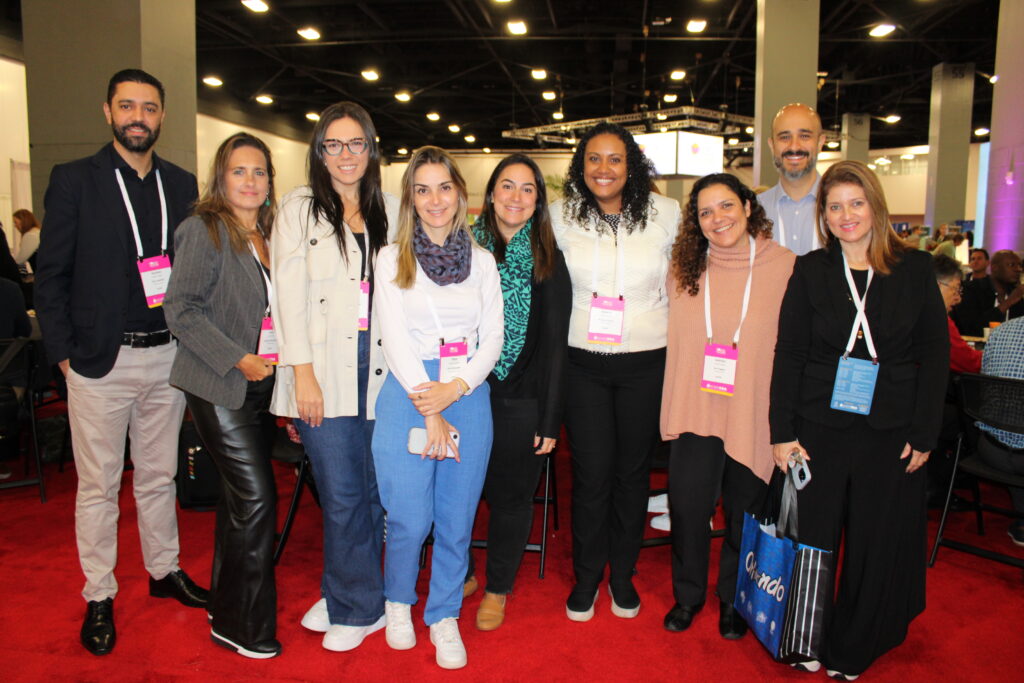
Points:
x=218, y=306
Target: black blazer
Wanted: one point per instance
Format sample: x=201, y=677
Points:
x=82, y=281
x=908, y=325
x=540, y=369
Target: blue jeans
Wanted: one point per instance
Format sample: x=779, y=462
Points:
x=418, y=492
x=339, y=451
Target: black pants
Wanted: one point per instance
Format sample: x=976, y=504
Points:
x=1000, y=456
x=243, y=597
x=611, y=415
x=512, y=475
x=860, y=492
x=698, y=469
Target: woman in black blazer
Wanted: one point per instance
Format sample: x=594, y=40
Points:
x=866, y=486
x=218, y=306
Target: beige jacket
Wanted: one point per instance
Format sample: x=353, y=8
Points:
x=315, y=308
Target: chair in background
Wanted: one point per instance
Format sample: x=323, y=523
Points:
x=293, y=454
x=997, y=402
x=15, y=353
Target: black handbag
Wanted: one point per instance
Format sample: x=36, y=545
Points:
x=198, y=480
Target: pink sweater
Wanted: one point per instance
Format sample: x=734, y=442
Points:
x=740, y=420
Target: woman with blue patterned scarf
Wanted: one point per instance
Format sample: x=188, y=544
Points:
x=528, y=382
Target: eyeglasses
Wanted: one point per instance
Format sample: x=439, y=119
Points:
x=334, y=147
x=957, y=287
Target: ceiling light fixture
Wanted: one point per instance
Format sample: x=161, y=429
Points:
x=454, y=128
x=403, y=96
x=470, y=138
x=872, y=167
x=670, y=97
x=487, y=150
x=664, y=129
x=213, y=81
x=538, y=74
x=832, y=144
x=749, y=130
x=993, y=79
x=881, y=30
x=264, y=99
x=883, y=161
x=502, y=2
x=313, y=116
x=309, y=33
x=549, y=95
x=517, y=27
x=677, y=74
x=370, y=74
x=696, y=25
x=558, y=115
x=403, y=150
x=256, y=5
x=981, y=132
x=908, y=156
x=661, y=117
x=892, y=118
x=734, y=141
x=433, y=116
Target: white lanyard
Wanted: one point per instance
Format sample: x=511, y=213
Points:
x=437, y=319
x=746, y=297
x=620, y=264
x=134, y=221
x=861, y=319
x=815, y=244
x=266, y=280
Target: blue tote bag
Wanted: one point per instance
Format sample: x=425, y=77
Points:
x=783, y=585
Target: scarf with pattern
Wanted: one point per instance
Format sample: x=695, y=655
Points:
x=516, y=274
x=444, y=264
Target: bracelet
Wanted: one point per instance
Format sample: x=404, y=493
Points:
x=461, y=386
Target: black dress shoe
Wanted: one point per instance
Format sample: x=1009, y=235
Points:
x=98, y=633
x=731, y=624
x=177, y=585
x=679, y=618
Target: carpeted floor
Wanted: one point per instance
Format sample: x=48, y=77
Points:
x=971, y=630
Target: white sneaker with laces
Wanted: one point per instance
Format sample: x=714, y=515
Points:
x=451, y=653
x=658, y=504
x=316, y=617
x=342, y=638
x=399, y=632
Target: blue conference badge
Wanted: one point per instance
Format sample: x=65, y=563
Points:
x=855, y=385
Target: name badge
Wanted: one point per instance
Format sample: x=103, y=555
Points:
x=719, y=369
x=267, y=346
x=155, y=273
x=855, y=385
x=364, y=305
x=607, y=314
x=454, y=359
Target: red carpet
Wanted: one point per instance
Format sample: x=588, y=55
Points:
x=971, y=630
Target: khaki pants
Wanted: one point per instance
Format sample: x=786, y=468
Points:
x=134, y=398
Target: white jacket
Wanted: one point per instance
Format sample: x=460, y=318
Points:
x=315, y=308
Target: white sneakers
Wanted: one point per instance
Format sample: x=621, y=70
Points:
x=662, y=522
x=337, y=637
x=658, y=504
x=451, y=653
x=342, y=638
x=316, y=617
x=399, y=633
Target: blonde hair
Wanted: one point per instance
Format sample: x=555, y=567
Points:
x=886, y=247
x=405, y=277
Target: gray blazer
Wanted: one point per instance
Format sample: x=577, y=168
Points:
x=214, y=305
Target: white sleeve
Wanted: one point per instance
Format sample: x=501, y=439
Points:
x=291, y=282
x=389, y=306
x=491, y=332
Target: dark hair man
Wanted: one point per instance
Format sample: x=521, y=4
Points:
x=979, y=264
x=104, y=261
x=997, y=298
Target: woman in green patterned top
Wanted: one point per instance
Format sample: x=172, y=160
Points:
x=528, y=382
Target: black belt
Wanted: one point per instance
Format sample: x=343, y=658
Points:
x=143, y=340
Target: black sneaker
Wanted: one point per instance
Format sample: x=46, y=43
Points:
x=580, y=605
x=625, y=599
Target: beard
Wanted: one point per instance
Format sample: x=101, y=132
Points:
x=135, y=144
x=796, y=175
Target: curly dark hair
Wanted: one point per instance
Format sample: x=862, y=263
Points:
x=580, y=204
x=690, y=251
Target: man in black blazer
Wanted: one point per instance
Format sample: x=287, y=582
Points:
x=103, y=262
x=997, y=298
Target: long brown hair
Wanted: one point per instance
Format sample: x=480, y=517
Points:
x=26, y=220
x=213, y=206
x=542, y=239
x=886, y=248
x=690, y=250
x=406, y=275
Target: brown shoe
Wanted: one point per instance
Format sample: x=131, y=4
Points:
x=492, y=612
x=469, y=587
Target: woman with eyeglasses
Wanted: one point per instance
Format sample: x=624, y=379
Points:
x=331, y=367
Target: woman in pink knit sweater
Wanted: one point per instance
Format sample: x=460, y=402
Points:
x=726, y=285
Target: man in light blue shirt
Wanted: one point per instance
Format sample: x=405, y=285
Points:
x=795, y=142
x=1004, y=357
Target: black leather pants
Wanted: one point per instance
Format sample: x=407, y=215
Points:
x=243, y=597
